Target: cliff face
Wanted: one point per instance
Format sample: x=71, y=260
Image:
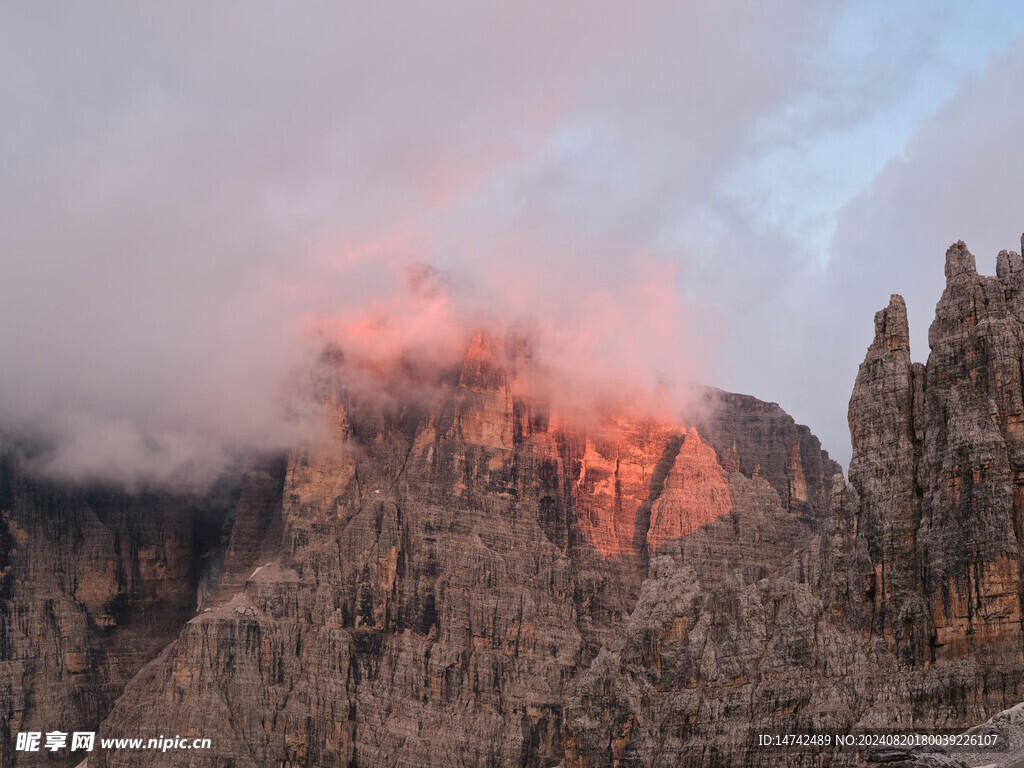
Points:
x=747, y=434
x=465, y=577
x=903, y=613
x=443, y=575
x=724, y=644
x=93, y=584
x=932, y=533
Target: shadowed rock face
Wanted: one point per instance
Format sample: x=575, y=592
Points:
x=93, y=584
x=759, y=438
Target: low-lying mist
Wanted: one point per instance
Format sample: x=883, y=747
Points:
x=194, y=403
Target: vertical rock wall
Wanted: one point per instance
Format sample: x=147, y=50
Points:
x=93, y=584
x=444, y=575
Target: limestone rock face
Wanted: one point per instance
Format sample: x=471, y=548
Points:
x=903, y=613
x=883, y=471
x=938, y=471
x=93, y=584
x=717, y=656
x=759, y=438
x=695, y=493
x=444, y=573
x=465, y=577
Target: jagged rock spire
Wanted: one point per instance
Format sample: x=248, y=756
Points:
x=959, y=262
x=892, y=330
x=938, y=466
x=1009, y=266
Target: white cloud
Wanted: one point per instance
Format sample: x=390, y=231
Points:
x=183, y=187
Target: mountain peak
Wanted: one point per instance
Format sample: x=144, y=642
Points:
x=959, y=262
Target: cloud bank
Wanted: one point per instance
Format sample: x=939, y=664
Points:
x=194, y=198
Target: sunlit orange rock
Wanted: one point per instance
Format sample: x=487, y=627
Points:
x=615, y=480
x=696, y=492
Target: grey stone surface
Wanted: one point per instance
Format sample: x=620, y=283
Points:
x=467, y=578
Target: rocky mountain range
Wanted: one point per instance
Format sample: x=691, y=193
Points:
x=469, y=577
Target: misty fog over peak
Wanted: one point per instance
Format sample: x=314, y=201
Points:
x=194, y=201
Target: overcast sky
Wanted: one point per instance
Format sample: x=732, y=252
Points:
x=724, y=191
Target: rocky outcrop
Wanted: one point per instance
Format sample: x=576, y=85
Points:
x=717, y=656
x=252, y=529
x=695, y=492
x=933, y=516
x=445, y=572
x=94, y=582
x=759, y=438
x=466, y=577
x=904, y=613
x=1008, y=728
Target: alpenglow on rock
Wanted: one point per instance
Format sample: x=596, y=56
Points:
x=467, y=577
x=431, y=586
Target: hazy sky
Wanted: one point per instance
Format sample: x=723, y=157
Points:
x=724, y=191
